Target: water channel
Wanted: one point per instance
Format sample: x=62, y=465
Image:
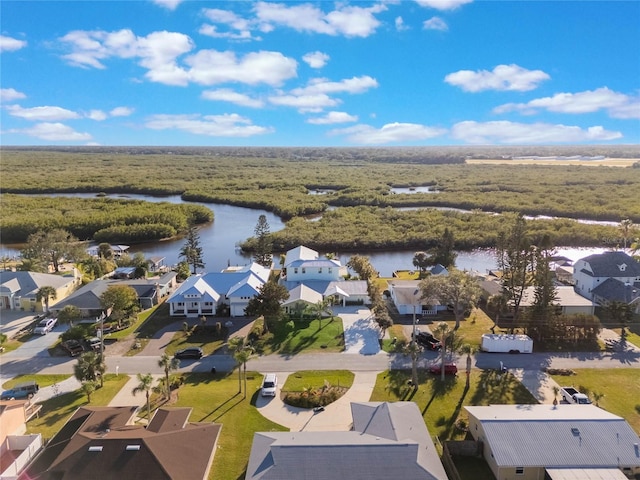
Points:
x=233, y=224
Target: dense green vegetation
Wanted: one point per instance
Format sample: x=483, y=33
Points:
x=286, y=182
x=371, y=228
x=103, y=219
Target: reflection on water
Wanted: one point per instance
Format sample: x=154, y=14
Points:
x=235, y=224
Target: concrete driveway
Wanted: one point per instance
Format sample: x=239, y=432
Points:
x=360, y=330
x=335, y=417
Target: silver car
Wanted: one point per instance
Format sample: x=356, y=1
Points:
x=45, y=326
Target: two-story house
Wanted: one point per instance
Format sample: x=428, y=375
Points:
x=607, y=277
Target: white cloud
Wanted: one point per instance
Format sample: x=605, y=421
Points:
x=389, y=133
x=168, y=4
x=97, y=115
x=345, y=20
x=10, y=95
x=228, y=95
x=503, y=77
x=618, y=105
x=399, y=23
x=316, y=59
x=332, y=118
x=503, y=132
x=121, y=112
x=157, y=52
x=351, y=85
x=305, y=103
x=241, y=27
x=442, y=4
x=9, y=44
x=209, y=67
x=435, y=23
x=227, y=125
x=45, y=113
x=53, y=132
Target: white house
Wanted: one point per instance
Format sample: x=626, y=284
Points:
x=302, y=264
x=591, y=271
x=406, y=296
x=532, y=442
x=567, y=301
x=203, y=294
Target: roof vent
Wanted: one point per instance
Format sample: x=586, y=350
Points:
x=575, y=431
x=133, y=447
x=95, y=448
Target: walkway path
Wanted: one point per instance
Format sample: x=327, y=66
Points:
x=335, y=417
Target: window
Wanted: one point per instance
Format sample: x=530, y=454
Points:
x=295, y=270
x=320, y=270
x=304, y=270
x=330, y=270
x=519, y=470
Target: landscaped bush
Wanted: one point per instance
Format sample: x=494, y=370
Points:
x=78, y=332
x=312, y=398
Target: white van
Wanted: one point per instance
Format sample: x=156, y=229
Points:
x=269, y=385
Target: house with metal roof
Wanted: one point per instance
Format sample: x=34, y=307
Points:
x=607, y=277
x=567, y=301
x=103, y=442
x=203, y=294
x=388, y=440
x=555, y=442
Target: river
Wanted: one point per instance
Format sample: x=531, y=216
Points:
x=233, y=224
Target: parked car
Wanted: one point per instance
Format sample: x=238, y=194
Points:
x=73, y=347
x=449, y=369
x=45, y=326
x=269, y=385
x=94, y=344
x=428, y=341
x=191, y=352
x=21, y=391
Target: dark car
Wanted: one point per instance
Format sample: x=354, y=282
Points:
x=428, y=341
x=73, y=347
x=191, y=352
x=449, y=369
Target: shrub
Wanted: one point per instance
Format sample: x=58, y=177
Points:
x=314, y=397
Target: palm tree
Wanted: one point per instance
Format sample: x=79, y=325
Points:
x=414, y=350
x=243, y=357
x=597, y=396
x=90, y=366
x=145, y=385
x=88, y=388
x=236, y=344
x=444, y=331
x=168, y=364
x=626, y=229
x=320, y=308
x=45, y=293
x=468, y=350
x=556, y=391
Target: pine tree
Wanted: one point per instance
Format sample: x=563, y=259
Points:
x=264, y=244
x=192, y=251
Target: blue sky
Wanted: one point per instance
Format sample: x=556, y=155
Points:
x=392, y=73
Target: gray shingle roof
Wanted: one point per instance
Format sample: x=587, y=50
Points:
x=614, y=290
x=388, y=441
x=608, y=264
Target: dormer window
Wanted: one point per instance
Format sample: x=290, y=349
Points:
x=622, y=267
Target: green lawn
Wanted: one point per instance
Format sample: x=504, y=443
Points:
x=397, y=332
x=471, y=328
x=441, y=403
x=308, y=335
x=41, y=380
x=620, y=387
x=298, y=381
x=180, y=340
x=56, y=411
x=215, y=398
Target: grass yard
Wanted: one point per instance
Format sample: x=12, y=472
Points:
x=41, y=380
x=441, y=402
x=306, y=335
x=397, y=332
x=619, y=386
x=298, y=381
x=215, y=398
x=209, y=343
x=57, y=410
x=471, y=328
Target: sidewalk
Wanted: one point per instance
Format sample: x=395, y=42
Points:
x=126, y=398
